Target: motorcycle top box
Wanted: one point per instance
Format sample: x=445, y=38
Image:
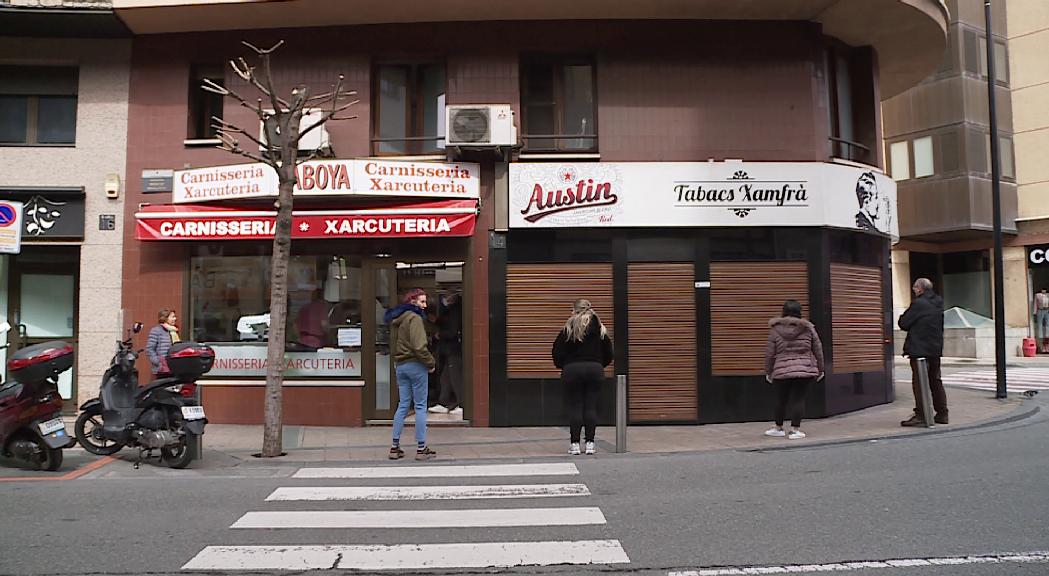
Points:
x=40, y=361
x=190, y=360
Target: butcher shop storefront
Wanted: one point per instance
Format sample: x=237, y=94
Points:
x=364, y=232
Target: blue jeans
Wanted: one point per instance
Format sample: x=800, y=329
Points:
x=412, y=386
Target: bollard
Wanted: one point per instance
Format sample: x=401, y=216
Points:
x=621, y=413
x=923, y=381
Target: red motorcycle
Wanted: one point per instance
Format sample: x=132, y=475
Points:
x=31, y=425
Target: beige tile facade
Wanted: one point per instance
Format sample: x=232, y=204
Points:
x=100, y=150
x=1028, y=25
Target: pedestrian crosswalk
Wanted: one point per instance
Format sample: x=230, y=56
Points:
x=384, y=512
x=1017, y=379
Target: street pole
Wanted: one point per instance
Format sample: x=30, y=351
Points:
x=996, y=199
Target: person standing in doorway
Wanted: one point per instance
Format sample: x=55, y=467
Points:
x=793, y=361
x=413, y=364
x=1041, y=319
x=923, y=322
x=450, y=354
x=582, y=350
x=159, y=342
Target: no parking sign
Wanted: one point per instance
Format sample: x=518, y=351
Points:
x=10, y=227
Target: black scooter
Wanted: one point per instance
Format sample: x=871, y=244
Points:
x=31, y=425
x=163, y=415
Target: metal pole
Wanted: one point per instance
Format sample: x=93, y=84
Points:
x=923, y=381
x=621, y=413
x=996, y=199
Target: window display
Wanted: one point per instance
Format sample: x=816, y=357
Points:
x=229, y=300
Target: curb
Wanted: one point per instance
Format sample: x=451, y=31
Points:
x=1021, y=412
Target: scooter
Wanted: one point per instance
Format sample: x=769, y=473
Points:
x=163, y=416
x=31, y=425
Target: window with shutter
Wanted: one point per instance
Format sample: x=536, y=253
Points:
x=858, y=323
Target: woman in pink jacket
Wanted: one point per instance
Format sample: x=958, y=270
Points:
x=793, y=360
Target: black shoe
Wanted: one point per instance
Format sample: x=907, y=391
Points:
x=940, y=419
x=913, y=421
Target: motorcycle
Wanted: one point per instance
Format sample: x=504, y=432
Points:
x=31, y=425
x=163, y=416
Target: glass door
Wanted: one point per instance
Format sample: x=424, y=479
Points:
x=380, y=294
x=43, y=308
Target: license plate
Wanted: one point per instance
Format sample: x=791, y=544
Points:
x=193, y=412
x=52, y=426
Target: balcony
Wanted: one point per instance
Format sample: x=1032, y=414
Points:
x=952, y=209
x=909, y=36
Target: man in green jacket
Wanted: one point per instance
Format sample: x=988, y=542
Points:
x=413, y=364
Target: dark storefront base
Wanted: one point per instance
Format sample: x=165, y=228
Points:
x=721, y=399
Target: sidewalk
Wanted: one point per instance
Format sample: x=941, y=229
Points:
x=234, y=444
x=1041, y=361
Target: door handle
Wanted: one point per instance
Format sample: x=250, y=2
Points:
x=23, y=335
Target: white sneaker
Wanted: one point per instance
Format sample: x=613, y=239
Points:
x=573, y=448
x=458, y=411
x=437, y=409
x=775, y=432
x=795, y=435
x=590, y=448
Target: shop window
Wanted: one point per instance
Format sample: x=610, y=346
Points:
x=923, y=157
x=851, y=95
x=900, y=161
x=740, y=309
x=406, y=104
x=538, y=301
x=229, y=310
x=38, y=105
x=204, y=105
x=558, y=101
x=858, y=323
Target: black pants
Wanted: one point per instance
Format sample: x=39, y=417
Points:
x=582, y=384
x=939, y=395
x=451, y=380
x=791, y=392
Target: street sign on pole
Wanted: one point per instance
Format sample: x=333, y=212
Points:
x=10, y=227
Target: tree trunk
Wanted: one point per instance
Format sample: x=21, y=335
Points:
x=272, y=439
x=272, y=432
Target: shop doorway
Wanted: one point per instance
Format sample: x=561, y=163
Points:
x=443, y=283
x=42, y=301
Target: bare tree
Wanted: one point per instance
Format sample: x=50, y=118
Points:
x=280, y=150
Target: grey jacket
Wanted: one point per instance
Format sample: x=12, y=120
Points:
x=157, y=346
x=793, y=350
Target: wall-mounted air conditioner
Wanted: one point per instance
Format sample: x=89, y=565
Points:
x=480, y=125
x=317, y=139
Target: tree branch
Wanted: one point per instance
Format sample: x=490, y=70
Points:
x=329, y=115
x=221, y=125
x=231, y=144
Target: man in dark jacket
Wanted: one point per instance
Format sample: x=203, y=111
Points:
x=923, y=322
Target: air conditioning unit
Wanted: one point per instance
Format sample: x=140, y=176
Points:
x=317, y=139
x=480, y=125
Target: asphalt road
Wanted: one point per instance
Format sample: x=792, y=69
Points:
x=957, y=494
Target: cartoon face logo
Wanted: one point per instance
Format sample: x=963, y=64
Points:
x=41, y=215
x=875, y=213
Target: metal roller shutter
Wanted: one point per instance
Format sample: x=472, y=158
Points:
x=858, y=321
x=662, y=307
x=744, y=296
x=538, y=301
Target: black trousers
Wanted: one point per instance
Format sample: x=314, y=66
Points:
x=939, y=395
x=582, y=384
x=451, y=380
x=790, y=393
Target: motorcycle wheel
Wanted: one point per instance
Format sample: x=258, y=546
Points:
x=51, y=457
x=180, y=455
x=88, y=431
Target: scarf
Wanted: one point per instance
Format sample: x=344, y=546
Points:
x=173, y=332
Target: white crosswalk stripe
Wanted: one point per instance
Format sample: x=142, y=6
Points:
x=394, y=555
x=1017, y=379
x=323, y=493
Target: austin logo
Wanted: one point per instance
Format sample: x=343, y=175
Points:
x=570, y=193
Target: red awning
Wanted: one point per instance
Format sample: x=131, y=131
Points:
x=197, y=222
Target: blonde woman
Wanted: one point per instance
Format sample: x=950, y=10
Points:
x=582, y=350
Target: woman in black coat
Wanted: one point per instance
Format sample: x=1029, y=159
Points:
x=582, y=350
